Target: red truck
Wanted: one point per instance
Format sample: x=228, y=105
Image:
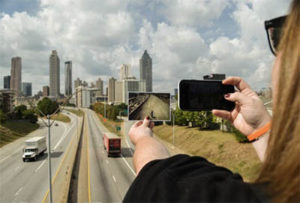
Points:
x=112, y=144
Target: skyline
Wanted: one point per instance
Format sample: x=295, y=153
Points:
x=209, y=37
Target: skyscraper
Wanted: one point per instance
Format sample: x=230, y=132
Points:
x=124, y=71
x=45, y=91
x=68, y=78
x=99, y=85
x=54, y=74
x=27, y=89
x=16, y=75
x=77, y=83
x=111, y=89
x=6, y=81
x=146, y=70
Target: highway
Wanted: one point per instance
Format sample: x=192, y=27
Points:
x=110, y=177
x=155, y=108
x=28, y=181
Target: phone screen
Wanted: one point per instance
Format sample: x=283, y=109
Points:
x=204, y=95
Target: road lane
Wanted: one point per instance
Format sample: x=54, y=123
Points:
x=110, y=177
x=28, y=181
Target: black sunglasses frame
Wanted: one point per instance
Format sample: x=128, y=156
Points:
x=274, y=23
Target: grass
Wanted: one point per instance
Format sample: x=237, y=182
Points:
x=61, y=117
x=216, y=146
x=76, y=112
x=110, y=124
x=13, y=130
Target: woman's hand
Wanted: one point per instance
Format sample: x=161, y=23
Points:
x=249, y=113
x=140, y=129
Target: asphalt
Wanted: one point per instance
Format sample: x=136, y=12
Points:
x=110, y=177
x=28, y=181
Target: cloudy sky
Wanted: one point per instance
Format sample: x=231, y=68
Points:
x=185, y=38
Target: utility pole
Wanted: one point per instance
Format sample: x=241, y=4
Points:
x=49, y=159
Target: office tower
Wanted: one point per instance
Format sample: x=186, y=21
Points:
x=146, y=70
x=54, y=74
x=16, y=75
x=99, y=85
x=93, y=85
x=111, y=89
x=77, y=83
x=45, y=91
x=84, y=84
x=6, y=82
x=124, y=71
x=119, y=91
x=68, y=78
x=27, y=89
x=175, y=91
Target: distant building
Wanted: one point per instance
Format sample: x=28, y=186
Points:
x=6, y=82
x=68, y=78
x=84, y=84
x=16, y=75
x=54, y=74
x=122, y=88
x=146, y=71
x=214, y=77
x=77, y=83
x=124, y=71
x=45, y=91
x=99, y=86
x=83, y=96
x=175, y=91
x=93, y=85
x=27, y=89
x=111, y=90
x=7, y=100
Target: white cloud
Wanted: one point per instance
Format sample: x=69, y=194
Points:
x=98, y=36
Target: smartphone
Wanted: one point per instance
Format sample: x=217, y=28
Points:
x=204, y=95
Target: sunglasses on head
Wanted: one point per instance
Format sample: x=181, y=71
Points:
x=274, y=30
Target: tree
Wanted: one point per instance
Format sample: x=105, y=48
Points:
x=30, y=116
x=46, y=106
x=19, y=110
x=3, y=116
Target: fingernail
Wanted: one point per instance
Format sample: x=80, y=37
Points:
x=227, y=95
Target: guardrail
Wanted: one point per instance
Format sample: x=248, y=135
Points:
x=62, y=177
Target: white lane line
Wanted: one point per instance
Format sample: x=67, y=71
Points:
x=40, y=166
x=128, y=165
x=106, y=161
x=4, y=158
x=114, y=179
x=63, y=137
x=19, y=191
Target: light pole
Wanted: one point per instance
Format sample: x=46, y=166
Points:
x=49, y=159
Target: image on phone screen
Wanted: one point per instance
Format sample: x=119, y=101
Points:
x=154, y=105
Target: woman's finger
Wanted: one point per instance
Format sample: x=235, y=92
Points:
x=222, y=114
x=236, y=81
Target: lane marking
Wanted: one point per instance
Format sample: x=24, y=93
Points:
x=17, y=193
x=114, y=179
x=65, y=135
x=133, y=172
x=40, y=166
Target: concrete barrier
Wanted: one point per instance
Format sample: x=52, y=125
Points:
x=62, y=177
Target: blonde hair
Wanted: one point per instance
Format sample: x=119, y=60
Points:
x=281, y=169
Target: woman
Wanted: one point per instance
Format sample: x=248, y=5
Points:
x=183, y=178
